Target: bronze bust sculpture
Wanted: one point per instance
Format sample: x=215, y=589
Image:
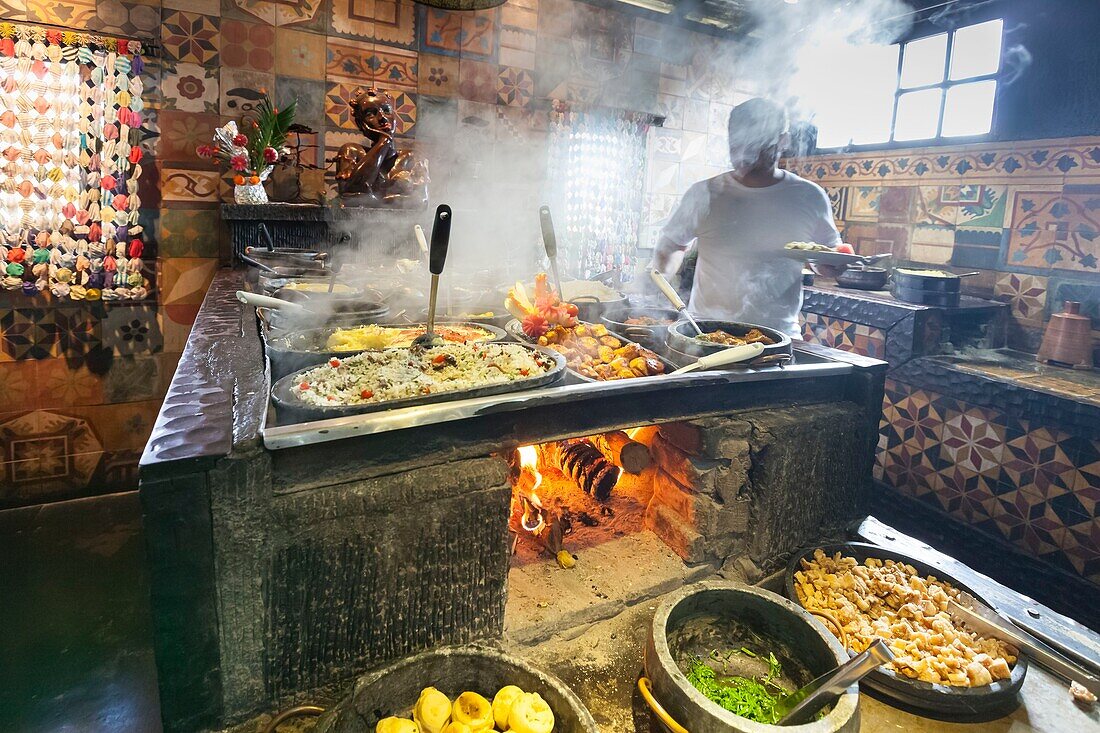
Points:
x=379, y=174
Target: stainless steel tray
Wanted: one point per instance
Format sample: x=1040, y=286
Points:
x=289, y=409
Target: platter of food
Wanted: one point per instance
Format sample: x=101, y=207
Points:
x=941, y=668
x=718, y=335
x=647, y=326
x=404, y=377
x=296, y=350
x=825, y=255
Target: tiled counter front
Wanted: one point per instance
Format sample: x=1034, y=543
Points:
x=1013, y=453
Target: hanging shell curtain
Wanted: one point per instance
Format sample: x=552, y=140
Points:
x=70, y=159
x=597, y=163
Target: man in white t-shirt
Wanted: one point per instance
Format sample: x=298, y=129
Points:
x=741, y=221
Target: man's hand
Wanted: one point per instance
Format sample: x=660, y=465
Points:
x=832, y=271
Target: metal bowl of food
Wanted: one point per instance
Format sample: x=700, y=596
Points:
x=289, y=352
x=863, y=278
x=647, y=326
x=718, y=335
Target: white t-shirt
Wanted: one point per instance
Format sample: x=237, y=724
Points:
x=741, y=273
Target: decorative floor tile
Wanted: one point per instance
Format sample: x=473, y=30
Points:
x=981, y=205
x=79, y=334
x=472, y=35
x=18, y=385
x=438, y=75
x=838, y=199
x=477, y=81
x=908, y=469
x=299, y=54
x=515, y=87
x=863, y=202
x=71, y=14
x=1025, y=294
x=188, y=185
x=1052, y=230
x=385, y=21
x=913, y=419
x=248, y=45
x=183, y=283
x=27, y=333
x=693, y=148
x=183, y=132
x=973, y=439
x=309, y=96
x=672, y=109
x=1036, y=463
x=242, y=90
x=556, y=18
x=189, y=232
x=894, y=204
x=48, y=453
x=14, y=10
x=977, y=246
x=935, y=205
x=134, y=330
x=932, y=244
x=61, y=385
x=125, y=18
x=190, y=37
x=280, y=13
x=191, y=88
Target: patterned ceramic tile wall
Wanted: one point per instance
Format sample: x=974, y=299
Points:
x=1023, y=214
x=844, y=335
x=1031, y=485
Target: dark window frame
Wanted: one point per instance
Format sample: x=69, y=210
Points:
x=943, y=85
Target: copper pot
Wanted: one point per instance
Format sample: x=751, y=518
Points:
x=1067, y=340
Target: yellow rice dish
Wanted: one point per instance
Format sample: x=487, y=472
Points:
x=317, y=287
x=372, y=337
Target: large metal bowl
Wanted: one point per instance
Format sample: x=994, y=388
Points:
x=723, y=615
x=452, y=670
x=681, y=337
x=652, y=337
x=291, y=352
x=944, y=702
x=290, y=409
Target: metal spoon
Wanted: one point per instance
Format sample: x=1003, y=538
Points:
x=674, y=298
x=801, y=705
x=550, y=242
x=441, y=235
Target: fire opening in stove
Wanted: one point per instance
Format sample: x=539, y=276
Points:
x=573, y=494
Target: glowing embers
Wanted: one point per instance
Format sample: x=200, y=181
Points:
x=572, y=494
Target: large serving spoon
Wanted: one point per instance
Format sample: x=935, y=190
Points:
x=550, y=242
x=801, y=705
x=722, y=358
x=421, y=240
x=266, y=301
x=673, y=297
x=437, y=257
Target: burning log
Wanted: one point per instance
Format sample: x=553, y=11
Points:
x=583, y=463
x=617, y=447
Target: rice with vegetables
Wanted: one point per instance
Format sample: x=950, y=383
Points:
x=395, y=374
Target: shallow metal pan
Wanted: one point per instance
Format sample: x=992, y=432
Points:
x=291, y=352
x=652, y=337
x=943, y=702
x=681, y=337
x=289, y=409
x=515, y=330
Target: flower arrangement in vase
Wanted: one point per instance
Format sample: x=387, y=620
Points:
x=253, y=153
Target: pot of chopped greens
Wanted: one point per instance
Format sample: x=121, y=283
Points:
x=721, y=655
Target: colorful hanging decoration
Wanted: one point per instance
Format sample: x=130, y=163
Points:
x=70, y=159
x=597, y=161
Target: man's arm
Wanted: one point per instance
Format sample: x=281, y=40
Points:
x=826, y=233
x=682, y=227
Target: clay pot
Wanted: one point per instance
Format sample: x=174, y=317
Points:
x=1067, y=340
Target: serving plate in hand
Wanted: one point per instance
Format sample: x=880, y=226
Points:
x=829, y=257
x=290, y=409
x=943, y=702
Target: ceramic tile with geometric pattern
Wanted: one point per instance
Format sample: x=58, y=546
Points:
x=299, y=54
x=477, y=81
x=384, y=21
x=981, y=205
x=471, y=35
x=191, y=37
x=515, y=87
x=302, y=13
x=1055, y=230
x=242, y=90
x=46, y=454
x=1036, y=463
x=974, y=438
x=69, y=14
x=123, y=18
x=863, y=203
x=190, y=88
x=1025, y=294
x=248, y=45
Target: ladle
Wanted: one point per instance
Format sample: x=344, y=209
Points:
x=725, y=357
x=441, y=235
x=550, y=242
x=801, y=705
x=674, y=298
x=266, y=301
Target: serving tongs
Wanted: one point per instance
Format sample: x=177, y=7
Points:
x=985, y=620
x=550, y=242
x=801, y=705
x=674, y=298
x=437, y=257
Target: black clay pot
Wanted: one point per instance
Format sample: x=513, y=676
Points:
x=912, y=280
x=925, y=297
x=869, y=278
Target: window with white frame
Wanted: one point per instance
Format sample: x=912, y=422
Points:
x=938, y=87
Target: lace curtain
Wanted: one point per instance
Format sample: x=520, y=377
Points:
x=597, y=169
x=70, y=159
